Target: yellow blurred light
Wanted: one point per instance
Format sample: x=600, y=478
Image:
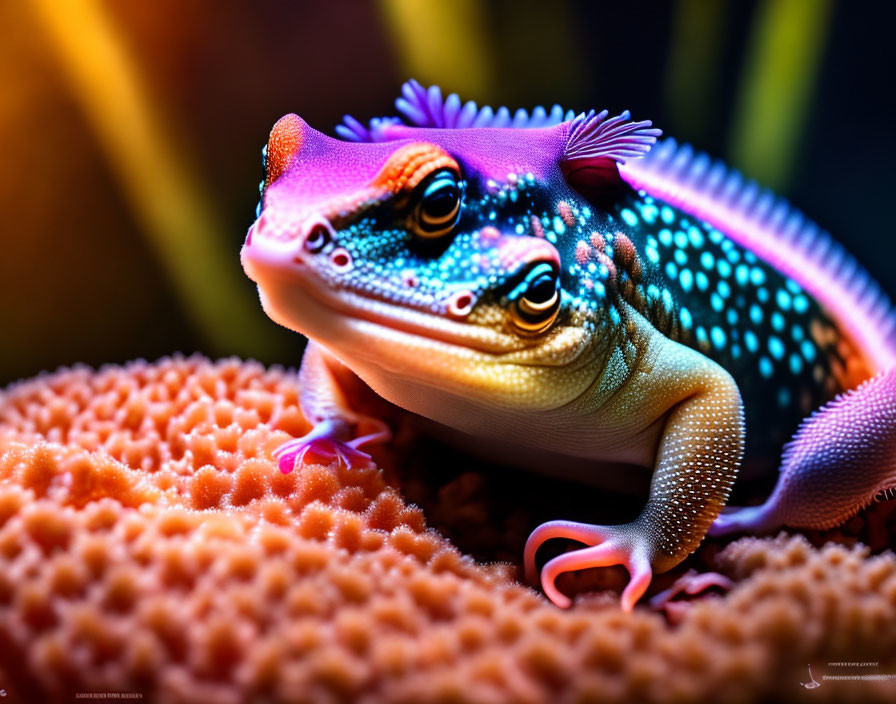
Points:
x=694, y=66
x=161, y=184
x=776, y=88
x=443, y=42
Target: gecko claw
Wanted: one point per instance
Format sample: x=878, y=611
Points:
x=582, y=532
x=691, y=583
x=320, y=451
x=324, y=445
x=607, y=546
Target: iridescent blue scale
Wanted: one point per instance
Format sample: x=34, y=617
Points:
x=739, y=311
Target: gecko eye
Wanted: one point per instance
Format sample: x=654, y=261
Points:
x=535, y=302
x=438, y=204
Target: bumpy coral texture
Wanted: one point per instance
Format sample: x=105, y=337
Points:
x=148, y=543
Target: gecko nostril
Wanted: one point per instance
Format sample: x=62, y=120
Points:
x=461, y=304
x=318, y=237
x=341, y=259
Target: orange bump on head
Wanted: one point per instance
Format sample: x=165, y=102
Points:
x=283, y=144
x=410, y=164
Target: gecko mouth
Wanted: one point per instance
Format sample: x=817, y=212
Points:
x=266, y=266
x=488, y=345
x=353, y=304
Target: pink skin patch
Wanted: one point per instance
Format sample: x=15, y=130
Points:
x=611, y=267
x=565, y=213
x=514, y=252
x=537, y=228
x=624, y=247
x=627, y=255
x=583, y=253
x=489, y=233
x=597, y=241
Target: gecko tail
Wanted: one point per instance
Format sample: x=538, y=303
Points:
x=841, y=459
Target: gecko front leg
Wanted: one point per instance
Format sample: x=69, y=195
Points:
x=697, y=461
x=338, y=432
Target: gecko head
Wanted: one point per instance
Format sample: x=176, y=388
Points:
x=440, y=254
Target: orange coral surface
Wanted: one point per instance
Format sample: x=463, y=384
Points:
x=149, y=544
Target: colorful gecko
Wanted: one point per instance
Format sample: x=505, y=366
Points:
x=554, y=283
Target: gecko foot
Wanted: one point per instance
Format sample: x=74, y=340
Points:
x=690, y=583
x=325, y=444
x=607, y=545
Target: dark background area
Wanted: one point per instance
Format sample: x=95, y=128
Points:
x=81, y=274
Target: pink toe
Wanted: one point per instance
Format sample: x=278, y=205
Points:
x=599, y=556
x=583, y=532
x=704, y=581
x=555, y=595
x=287, y=461
x=354, y=458
x=638, y=566
x=690, y=583
x=635, y=589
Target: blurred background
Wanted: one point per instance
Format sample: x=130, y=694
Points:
x=131, y=132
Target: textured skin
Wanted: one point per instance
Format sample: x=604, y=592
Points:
x=557, y=309
x=827, y=464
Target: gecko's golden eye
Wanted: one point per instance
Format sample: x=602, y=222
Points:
x=535, y=302
x=438, y=204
